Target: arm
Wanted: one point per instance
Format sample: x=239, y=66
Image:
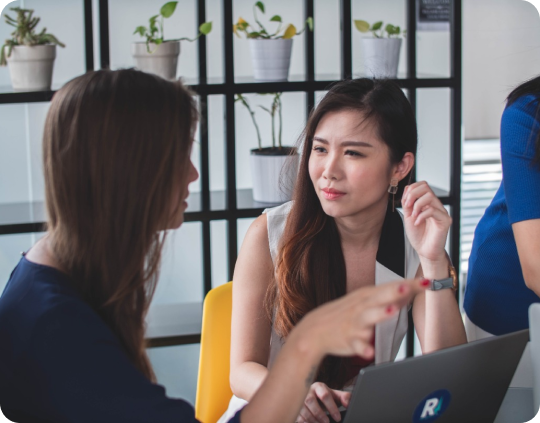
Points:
x=521, y=181
x=527, y=236
x=342, y=327
x=436, y=314
x=250, y=326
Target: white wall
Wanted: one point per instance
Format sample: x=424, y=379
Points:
x=501, y=48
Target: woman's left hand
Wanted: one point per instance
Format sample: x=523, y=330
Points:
x=426, y=221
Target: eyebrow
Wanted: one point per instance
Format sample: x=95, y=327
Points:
x=345, y=143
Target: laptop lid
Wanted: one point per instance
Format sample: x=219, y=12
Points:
x=462, y=384
x=534, y=327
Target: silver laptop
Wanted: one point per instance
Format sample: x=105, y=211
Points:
x=461, y=384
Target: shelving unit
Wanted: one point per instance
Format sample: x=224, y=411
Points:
x=233, y=204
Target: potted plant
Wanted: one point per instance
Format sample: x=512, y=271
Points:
x=381, y=52
x=30, y=55
x=270, y=51
x=157, y=55
x=273, y=169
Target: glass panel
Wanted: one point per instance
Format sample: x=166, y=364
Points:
x=327, y=39
x=11, y=247
x=181, y=276
x=218, y=237
x=216, y=140
x=21, y=175
x=294, y=112
x=177, y=369
x=390, y=12
x=290, y=12
x=433, y=39
x=70, y=61
x=433, y=158
x=214, y=42
x=126, y=15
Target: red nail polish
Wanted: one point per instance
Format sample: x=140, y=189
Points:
x=390, y=309
x=425, y=282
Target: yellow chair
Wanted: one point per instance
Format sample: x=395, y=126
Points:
x=213, y=387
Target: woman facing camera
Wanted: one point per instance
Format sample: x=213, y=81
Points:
x=116, y=150
x=342, y=234
x=504, y=266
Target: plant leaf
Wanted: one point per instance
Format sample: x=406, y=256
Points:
x=168, y=9
x=309, y=22
x=289, y=32
x=361, y=26
x=260, y=5
x=206, y=27
x=275, y=18
x=141, y=30
x=254, y=34
x=376, y=26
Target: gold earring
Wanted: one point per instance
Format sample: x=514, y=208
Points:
x=392, y=189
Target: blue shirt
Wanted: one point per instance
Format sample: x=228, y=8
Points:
x=497, y=299
x=59, y=362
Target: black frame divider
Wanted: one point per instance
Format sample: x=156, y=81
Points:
x=232, y=198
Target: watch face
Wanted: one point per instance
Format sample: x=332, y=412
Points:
x=453, y=275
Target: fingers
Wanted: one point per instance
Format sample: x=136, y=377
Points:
x=312, y=405
x=341, y=398
x=325, y=396
x=394, y=293
x=434, y=213
x=417, y=196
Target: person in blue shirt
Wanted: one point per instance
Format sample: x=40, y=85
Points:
x=116, y=151
x=504, y=265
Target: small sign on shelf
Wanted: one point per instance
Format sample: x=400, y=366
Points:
x=433, y=15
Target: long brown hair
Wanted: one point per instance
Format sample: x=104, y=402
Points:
x=310, y=268
x=116, y=147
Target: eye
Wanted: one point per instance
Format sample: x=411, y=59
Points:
x=354, y=153
x=319, y=149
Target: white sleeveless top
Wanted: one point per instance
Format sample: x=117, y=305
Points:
x=396, y=259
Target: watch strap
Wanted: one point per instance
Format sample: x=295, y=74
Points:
x=438, y=284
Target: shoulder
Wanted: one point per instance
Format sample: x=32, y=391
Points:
x=519, y=126
x=282, y=210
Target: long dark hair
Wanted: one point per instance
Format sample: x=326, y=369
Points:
x=310, y=268
x=530, y=87
x=116, y=147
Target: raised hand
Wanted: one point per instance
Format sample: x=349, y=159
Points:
x=426, y=222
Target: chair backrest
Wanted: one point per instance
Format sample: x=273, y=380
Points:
x=213, y=387
x=534, y=333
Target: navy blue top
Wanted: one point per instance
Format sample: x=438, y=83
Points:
x=497, y=299
x=59, y=362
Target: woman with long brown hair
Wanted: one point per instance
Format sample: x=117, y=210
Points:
x=342, y=233
x=116, y=150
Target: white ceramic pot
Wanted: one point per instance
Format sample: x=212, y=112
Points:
x=162, y=61
x=31, y=68
x=273, y=176
x=381, y=56
x=271, y=59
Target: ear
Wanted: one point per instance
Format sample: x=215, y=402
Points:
x=402, y=169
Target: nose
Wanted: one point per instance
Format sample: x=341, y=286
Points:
x=193, y=173
x=331, y=168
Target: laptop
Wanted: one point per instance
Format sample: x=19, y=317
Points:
x=461, y=384
x=534, y=327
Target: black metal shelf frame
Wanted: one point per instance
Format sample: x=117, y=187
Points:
x=309, y=86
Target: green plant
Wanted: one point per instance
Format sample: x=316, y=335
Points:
x=378, y=30
x=154, y=33
x=275, y=109
x=262, y=33
x=24, y=34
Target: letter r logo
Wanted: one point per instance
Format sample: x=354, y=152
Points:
x=429, y=408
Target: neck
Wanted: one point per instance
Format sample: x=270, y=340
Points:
x=363, y=230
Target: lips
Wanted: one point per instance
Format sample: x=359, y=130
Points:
x=332, y=194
